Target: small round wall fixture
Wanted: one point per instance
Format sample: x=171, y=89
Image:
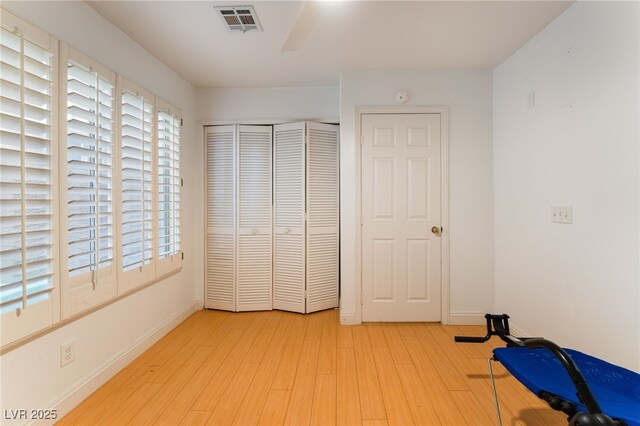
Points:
x=402, y=96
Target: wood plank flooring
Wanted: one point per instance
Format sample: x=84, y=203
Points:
x=275, y=368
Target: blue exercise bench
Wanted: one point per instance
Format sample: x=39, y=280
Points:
x=590, y=391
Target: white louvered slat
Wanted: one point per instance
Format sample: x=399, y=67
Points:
x=254, y=272
x=220, y=181
x=89, y=172
x=254, y=179
x=322, y=272
x=323, y=184
x=28, y=272
x=169, y=184
x=220, y=288
x=289, y=273
x=289, y=175
x=323, y=215
x=89, y=209
x=220, y=218
x=137, y=265
x=254, y=284
x=289, y=233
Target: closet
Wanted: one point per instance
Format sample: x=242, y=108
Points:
x=272, y=212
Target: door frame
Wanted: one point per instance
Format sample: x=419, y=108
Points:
x=444, y=197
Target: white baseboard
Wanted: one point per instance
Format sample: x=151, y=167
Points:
x=85, y=387
x=517, y=331
x=467, y=318
x=349, y=318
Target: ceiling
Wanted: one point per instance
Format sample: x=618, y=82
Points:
x=324, y=38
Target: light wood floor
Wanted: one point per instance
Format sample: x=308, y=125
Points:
x=275, y=368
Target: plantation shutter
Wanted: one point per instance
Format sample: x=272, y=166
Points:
x=289, y=282
x=323, y=216
x=88, y=246
x=254, y=218
x=220, y=216
x=28, y=272
x=137, y=129
x=169, y=185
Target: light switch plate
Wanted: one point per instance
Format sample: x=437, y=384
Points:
x=562, y=214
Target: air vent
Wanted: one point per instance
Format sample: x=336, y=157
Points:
x=240, y=18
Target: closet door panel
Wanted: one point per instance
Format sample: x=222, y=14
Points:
x=323, y=217
x=289, y=217
x=253, y=266
x=220, y=218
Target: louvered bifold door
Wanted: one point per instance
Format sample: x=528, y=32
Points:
x=137, y=265
x=28, y=192
x=87, y=168
x=220, y=187
x=253, y=266
x=289, y=221
x=323, y=216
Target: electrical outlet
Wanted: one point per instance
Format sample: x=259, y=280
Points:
x=562, y=214
x=67, y=352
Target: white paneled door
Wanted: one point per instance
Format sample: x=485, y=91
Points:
x=401, y=217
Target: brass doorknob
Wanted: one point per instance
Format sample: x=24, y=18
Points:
x=436, y=230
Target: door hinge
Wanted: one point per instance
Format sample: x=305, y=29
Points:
x=181, y=122
x=181, y=182
x=182, y=255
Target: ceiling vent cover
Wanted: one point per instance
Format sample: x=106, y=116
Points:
x=240, y=18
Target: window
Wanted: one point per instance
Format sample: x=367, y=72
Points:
x=169, y=183
x=137, y=131
x=28, y=284
x=95, y=215
x=88, y=169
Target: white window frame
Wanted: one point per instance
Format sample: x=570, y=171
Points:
x=72, y=297
x=172, y=262
x=29, y=319
x=84, y=291
x=134, y=278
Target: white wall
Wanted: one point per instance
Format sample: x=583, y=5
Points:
x=31, y=374
x=577, y=284
x=267, y=105
x=468, y=96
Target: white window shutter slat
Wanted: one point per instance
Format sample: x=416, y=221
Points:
x=254, y=281
x=87, y=163
x=289, y=217
x=323, y=216
x=220, y=218
x=137, y=265
x=28, y=273
x=169, y=244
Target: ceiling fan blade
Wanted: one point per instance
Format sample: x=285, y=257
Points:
x=302, y=26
